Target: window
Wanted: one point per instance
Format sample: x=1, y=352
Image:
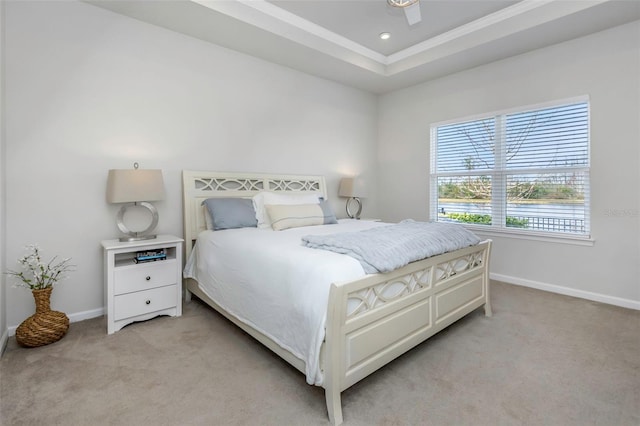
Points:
x=525, y=171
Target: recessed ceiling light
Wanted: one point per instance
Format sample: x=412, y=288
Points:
x=385, y=36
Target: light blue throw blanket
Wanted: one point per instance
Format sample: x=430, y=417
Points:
x=386, y=248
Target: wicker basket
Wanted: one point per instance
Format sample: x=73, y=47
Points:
x=45, y=326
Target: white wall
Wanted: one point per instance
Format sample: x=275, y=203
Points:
x=89, y=90
x=605, y=66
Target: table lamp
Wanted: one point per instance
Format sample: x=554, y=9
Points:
x=135, y=187
x=353, y=188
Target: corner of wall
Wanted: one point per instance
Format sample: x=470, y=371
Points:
x=3, y=291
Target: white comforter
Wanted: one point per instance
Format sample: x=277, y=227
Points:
x=268, y=280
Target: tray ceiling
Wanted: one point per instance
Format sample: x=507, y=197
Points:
x=339, y=39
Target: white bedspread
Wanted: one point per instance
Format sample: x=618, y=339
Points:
x=268, y=280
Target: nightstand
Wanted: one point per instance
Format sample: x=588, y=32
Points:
x=143, y=290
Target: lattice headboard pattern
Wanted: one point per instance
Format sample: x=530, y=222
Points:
x=197, y=186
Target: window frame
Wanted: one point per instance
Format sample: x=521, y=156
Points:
x=500, y=171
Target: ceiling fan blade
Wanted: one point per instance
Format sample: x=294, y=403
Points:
x=412, y=13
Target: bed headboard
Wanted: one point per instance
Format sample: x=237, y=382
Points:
x=197, y=186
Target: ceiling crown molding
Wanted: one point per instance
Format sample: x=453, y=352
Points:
x=268, y=17
x=503, y=23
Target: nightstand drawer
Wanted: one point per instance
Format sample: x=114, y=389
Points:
x=128, y=279
x=144, y=302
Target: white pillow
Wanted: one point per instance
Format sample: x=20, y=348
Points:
x=283, y=198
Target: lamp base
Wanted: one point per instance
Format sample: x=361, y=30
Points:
x=355, y=215
x=133, y=235
x=139, y=238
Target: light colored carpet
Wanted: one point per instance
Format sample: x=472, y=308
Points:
x=542, y=359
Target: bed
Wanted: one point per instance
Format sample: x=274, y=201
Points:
x=368, y=319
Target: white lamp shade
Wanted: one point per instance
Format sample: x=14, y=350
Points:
x=352, y=187
x=133, y=185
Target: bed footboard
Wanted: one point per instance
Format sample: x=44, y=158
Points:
x=375, y=319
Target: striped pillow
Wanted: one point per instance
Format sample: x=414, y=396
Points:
x=294, y=216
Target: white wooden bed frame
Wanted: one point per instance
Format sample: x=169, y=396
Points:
x=436, y=291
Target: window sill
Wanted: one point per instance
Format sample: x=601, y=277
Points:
x=576, y=240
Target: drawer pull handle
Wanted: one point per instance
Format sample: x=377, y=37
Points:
x=148, y=302
x=148, y=278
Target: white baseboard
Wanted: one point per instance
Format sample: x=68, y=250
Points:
x=567, y=291
x=78, y=316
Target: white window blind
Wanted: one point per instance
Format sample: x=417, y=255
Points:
x=526, y=170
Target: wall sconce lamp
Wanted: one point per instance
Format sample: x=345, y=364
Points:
x=135, y=187
x=353, y=188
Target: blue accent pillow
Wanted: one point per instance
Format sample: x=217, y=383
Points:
x=231, y=213
x=329, y=215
